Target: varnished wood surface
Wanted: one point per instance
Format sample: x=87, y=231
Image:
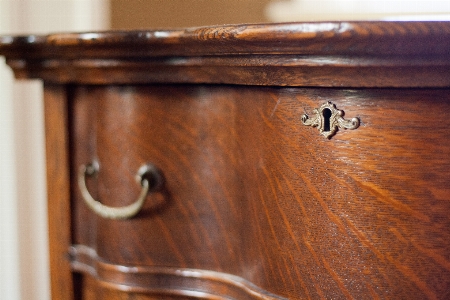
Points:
x=332, y=54
x=286, y=70
x=254, y=193
x=251, y=194
x=110, y=281
x=376, y=38
x=58, y=190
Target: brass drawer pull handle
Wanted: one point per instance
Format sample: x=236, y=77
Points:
x=328, y=119
x=149, y=178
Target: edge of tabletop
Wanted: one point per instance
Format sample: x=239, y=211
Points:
x=373, y=38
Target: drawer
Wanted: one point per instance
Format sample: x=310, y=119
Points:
x=254, y=196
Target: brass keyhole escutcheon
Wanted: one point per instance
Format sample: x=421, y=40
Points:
x=328, y=119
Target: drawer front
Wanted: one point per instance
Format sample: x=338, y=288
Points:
x=266, y=205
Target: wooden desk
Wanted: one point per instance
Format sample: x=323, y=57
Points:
x=298, y=161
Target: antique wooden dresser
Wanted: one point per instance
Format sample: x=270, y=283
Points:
x=278, y=161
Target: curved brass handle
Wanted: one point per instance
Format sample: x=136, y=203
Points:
x=148, y=176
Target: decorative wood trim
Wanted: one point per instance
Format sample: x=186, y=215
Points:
x=193, y=283
x=244, y=70
x=355, y=38
x=58, y=189
x=363, y=54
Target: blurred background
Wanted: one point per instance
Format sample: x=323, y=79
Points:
x=23, y=210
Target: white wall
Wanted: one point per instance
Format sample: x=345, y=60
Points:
x=335, y=10
x=23, y=210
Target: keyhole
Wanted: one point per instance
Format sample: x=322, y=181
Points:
x=326, y=119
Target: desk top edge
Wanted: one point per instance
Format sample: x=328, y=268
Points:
x=317, y=38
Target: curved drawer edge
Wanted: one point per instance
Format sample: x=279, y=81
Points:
x=184, y=282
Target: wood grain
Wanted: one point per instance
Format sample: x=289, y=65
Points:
x=332, y=54
x=281, y=70
x=253, y=192
x=58, y=190
x=356, y=38
x=110, y=281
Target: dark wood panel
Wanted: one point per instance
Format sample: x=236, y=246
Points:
x=362, y=214
x=82, y=133
x=58, y=190
x=253, y=192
